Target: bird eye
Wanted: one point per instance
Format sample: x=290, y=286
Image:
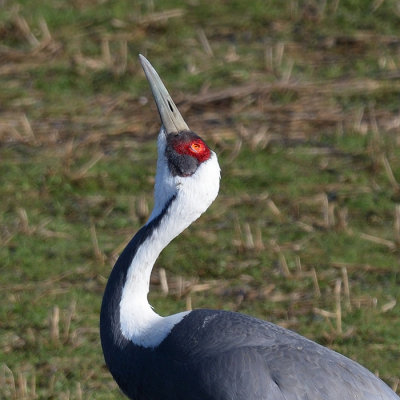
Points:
x=196, y=147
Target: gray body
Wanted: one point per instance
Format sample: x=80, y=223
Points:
x=237, y=357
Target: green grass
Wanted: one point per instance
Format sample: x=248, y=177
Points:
x=310, y=172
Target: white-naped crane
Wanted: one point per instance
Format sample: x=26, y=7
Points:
x=205, y=354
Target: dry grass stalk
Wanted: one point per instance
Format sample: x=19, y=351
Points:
x=335, y=6
x=231, y=54
x=261, y=138
x=98, y=254
x=273, y=207
x=47, y=41
x=328, y=316
x=65, y=395
x=9, y=132
x=346, y=287
x=52, y=383
x=238, y=238
x=105, y=52
x=317, y=290
x=235, y=150
x=42, y=231
x=351, y=86
x=338, y=313
x=325, y=205
x=121, y=63
x=389, y=173
x=324, y=313
x=282, y=259
x=266, y=291
x=397, y=224
x=82, y=172
x=22, y=386
x=159, y=17
x=86, y=63
x=269, y=59
x=202, y=287
x=374, y=126
x=283, y=297
x=142, y=208
x=6, y=238
x=43, y=284
x=78, y=391
x=364, y=301
x=179, y=286
x=287, y=72
x=124, y=57
x=298, y=264
x=26, y=31
x=204, y=42
x=321, y=9
x=328, y=211
x=358, y=125
x=116, y=62
x=188, y=302
x=331, y=214
x=389, y=306
x=396, y=384
x=33, y=394
x=274, y=59
x=363, y=267
x=245, y=239
x=163, y=281
x=23, y=221
x=30, y=136
x=279, y=52
x=305, y=227
x=294, y=8
x=376, y=4
x=54, y=324
x=8, y=387
x=70, y=314
x=27, y=229
x=258, y=243
x=388, y=243
x=45, y=30
x=248, y=236
x=69, y=153
x=342, y=218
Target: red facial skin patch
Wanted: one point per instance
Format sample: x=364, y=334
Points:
x=195, y=148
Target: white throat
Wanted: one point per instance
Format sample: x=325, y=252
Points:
x=193, y=195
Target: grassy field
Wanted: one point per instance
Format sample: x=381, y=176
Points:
x=299, y=98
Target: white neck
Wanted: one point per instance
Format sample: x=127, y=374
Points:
x=193, y=195
x=139, y=322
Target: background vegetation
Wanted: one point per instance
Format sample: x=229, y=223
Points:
x=299, y=98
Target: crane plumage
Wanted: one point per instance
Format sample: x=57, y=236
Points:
x=205, y=354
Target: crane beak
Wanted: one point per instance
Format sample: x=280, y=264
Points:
x=171, y=118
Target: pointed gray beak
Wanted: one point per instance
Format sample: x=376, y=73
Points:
x=171, y=118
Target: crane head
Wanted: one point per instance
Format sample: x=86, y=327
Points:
x=186, y=166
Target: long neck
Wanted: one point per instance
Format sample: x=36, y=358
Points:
x=126, y=314
x=126, y=317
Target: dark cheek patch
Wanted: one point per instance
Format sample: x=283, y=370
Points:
x=182, y=165
x=185, y=152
